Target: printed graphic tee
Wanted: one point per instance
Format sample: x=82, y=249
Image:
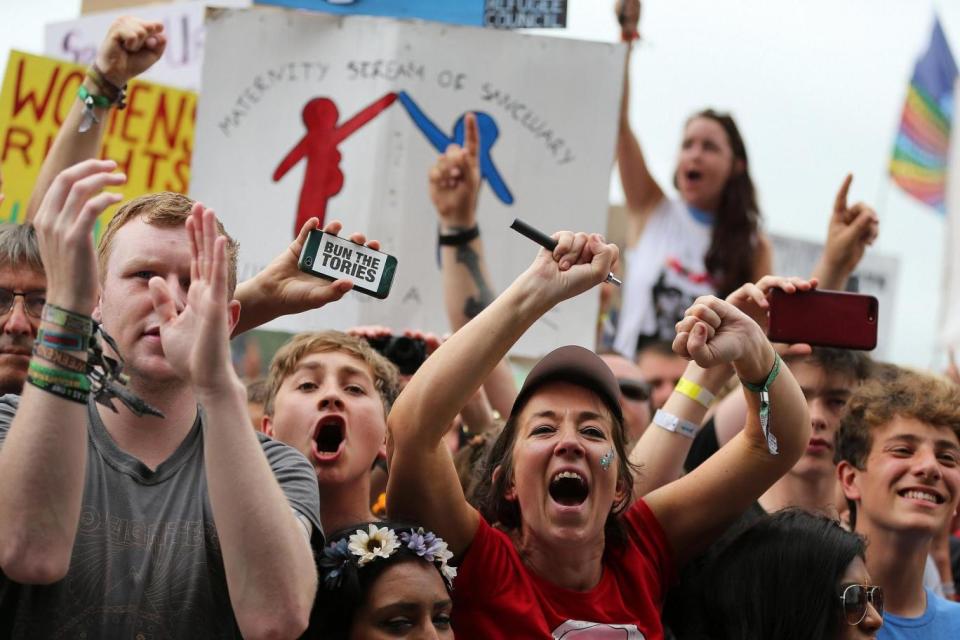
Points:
x=665, y=274
x=146, y=561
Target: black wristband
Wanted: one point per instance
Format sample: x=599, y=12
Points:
x=458, y=238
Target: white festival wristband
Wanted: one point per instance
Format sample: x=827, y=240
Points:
x=675, y=424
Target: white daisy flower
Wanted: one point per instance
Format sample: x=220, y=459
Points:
x=377, y=542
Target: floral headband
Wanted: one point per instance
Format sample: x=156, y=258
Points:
x=363, y=547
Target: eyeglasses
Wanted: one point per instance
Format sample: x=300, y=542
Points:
x=633, y=389
x=855, y=598
x=33, y=301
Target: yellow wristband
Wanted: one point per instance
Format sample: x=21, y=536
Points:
x=695, y=392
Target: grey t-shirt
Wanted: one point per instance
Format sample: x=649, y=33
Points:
x=146, y=561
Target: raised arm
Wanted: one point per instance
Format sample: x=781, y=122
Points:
x=423, y=484
x=852, y=229
x=43, y=460
x=130, y=47
x=695, y=509
x=454, y=189
x=642, y=192
x=267, y=559
x=660, y=453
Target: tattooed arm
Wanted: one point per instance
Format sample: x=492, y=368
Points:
x=454, y=187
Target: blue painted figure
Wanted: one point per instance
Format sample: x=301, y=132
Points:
x=440, y=141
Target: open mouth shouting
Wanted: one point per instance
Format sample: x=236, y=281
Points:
x=693, y=175
x=328, y=438
x=922, y=495
x=568, y=489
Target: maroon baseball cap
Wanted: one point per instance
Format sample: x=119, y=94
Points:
x=575, y=365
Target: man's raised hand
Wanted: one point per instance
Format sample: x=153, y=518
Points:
x=195, y=333
x=455, y=179
x=64, y=225
x=851, y=230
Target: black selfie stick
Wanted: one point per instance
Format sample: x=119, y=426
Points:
x=547, y=242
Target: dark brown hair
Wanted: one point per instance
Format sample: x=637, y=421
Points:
x=731, y=256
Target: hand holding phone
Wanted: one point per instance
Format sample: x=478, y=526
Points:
x=328, y=256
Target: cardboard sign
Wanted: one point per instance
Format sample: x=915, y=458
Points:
x=498, y=14
x=77, y=40
x=151, y=139
x=525, y=14
x=342, y=117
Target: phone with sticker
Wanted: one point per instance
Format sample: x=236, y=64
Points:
x=331, y=257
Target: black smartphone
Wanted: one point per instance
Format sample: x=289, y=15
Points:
x=824, y=318
x=332, y=257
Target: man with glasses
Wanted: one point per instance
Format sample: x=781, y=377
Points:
x=898, y=454
x=634, y=395
x=22, y=290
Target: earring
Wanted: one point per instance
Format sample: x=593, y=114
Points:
x=606, y=459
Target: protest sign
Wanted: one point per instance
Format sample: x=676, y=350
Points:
x=341, y=117
x=498, y=14
x=77, y=40
x=151, y=139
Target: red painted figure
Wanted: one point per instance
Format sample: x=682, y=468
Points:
x=323, y=179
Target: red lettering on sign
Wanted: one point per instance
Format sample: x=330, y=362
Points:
x=58, y=112
x=161, y=120
x=20, y=101
x=19, y=139
x=132, y=112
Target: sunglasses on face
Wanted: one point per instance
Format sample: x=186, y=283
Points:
x=855, y=598
x=33, y=301
x=632, y=389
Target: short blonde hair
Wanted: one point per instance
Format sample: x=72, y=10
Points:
x=165, y=209
x=386, y=378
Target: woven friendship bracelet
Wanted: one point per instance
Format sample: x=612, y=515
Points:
x=67, y=393
x=63, y=341
x=764, y=391
x=60, y=358
x=67, y=319
x=115, y=93
x=59, y=376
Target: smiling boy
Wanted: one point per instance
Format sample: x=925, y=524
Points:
x=899, y=464
x=328, y=396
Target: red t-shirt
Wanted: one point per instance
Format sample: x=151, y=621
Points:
x=496, y=596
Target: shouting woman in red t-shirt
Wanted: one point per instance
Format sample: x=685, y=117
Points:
x=574, y=555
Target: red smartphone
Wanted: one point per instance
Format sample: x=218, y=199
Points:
x=824, y=319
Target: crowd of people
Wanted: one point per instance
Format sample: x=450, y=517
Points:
x=687, y=479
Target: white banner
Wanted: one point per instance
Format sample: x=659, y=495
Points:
x=380, y=98
x=78, y=40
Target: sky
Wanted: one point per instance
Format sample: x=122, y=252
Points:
x=816, y=87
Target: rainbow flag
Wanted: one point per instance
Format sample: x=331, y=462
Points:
x=919, y=163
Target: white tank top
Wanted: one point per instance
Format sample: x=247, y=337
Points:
x=665, y=274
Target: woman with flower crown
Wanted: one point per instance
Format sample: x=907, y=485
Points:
x=573, y=554
x=384, y=580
